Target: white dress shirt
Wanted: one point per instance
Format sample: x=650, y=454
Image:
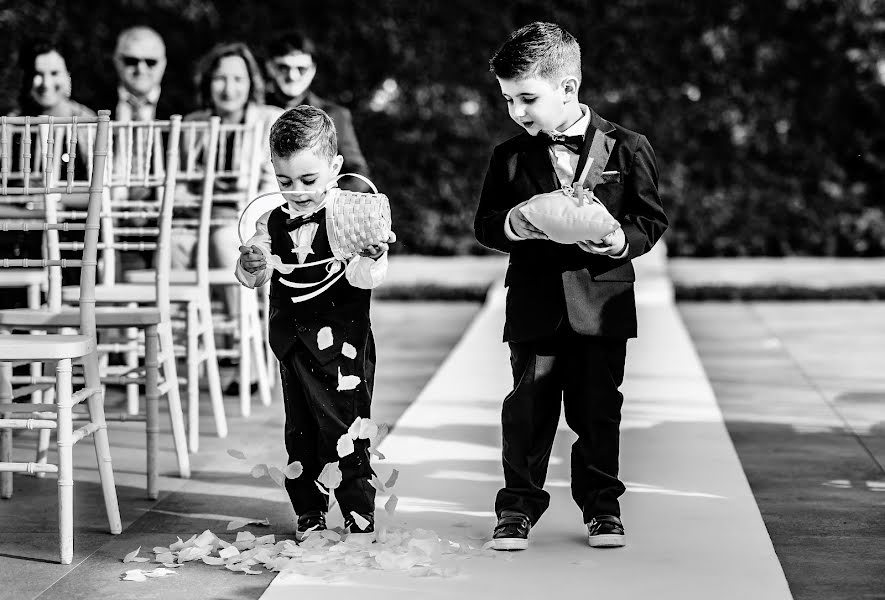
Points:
x=361, y=272
x=133, y=108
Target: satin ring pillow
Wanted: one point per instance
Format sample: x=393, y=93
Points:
x=567, y=219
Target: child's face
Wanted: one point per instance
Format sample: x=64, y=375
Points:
x=539, y=104
x=305, y=171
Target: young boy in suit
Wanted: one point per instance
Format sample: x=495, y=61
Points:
x=570, y=307
x=319, y=410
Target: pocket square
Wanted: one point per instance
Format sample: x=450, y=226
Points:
x=611, y=177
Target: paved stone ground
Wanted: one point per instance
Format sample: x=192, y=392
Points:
x=800, y=385
x=802, y=389
x=220, y=487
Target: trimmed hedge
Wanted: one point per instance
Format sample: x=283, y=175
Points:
x=767, y=116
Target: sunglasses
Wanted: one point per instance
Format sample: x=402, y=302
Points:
x=132, y=61
x=283, y=67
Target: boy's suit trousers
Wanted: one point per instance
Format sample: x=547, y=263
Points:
x=581, y=373
x=317, y=415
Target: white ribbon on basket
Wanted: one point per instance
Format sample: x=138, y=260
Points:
x=334, y=268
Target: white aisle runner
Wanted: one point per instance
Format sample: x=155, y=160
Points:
x=693, y=527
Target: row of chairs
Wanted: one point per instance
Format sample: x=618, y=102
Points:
x=96, y=189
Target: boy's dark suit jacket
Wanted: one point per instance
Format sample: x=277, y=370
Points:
x=548, y=282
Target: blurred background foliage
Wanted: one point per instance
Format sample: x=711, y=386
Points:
x=767, y=116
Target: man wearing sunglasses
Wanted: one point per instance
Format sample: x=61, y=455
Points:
x=291, y=69
x=140, y=61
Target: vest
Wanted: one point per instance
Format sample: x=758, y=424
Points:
x=341, y=295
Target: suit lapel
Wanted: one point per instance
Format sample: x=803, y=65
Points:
x=601, y=144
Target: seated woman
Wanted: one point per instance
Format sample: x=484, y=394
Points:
x=46, y=83
x=229, y=85
x=45, y=91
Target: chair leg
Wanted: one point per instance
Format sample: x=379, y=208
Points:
x=95, y=404
x=212, y=373
x=259, y=361
x=193, y=379
x=44, y=436
x=173, y=397
x=5, y=434
x=132, y=363
x=152, y=406
x=245, y=364
x=64, y=439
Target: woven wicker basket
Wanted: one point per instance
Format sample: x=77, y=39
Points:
x=355, y=221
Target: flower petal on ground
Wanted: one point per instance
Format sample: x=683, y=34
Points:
x=237, y=454
x=133, y=556
x=259, y=470
x=348, y=350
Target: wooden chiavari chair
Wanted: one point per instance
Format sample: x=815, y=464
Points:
x=60, y=350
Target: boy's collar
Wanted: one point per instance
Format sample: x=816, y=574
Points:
x=579, y=127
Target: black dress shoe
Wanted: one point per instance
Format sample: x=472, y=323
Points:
x=308, y=523
x=605, y=531
x=512, y=531
x=233, y=388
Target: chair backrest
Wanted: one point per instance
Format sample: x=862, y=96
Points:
x=220, y=165
x=31, y=179
x=142, y=174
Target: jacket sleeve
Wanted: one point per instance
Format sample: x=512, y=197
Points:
x=494, y=206
x=645, y=220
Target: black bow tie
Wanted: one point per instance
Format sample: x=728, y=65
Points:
x=572, y=142
x=296, y=222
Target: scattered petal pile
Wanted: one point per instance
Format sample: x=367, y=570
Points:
x=331, y=554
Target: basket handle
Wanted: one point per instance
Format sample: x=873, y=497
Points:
x=358, y=176
x=265, y=195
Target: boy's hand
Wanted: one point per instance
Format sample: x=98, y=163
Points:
x=376, y=250
x=522, y=227
x=611, y=245
x=252, y=259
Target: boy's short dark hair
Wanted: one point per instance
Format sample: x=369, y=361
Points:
x=538, y=49
x=304, y=128
x=287, y=42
